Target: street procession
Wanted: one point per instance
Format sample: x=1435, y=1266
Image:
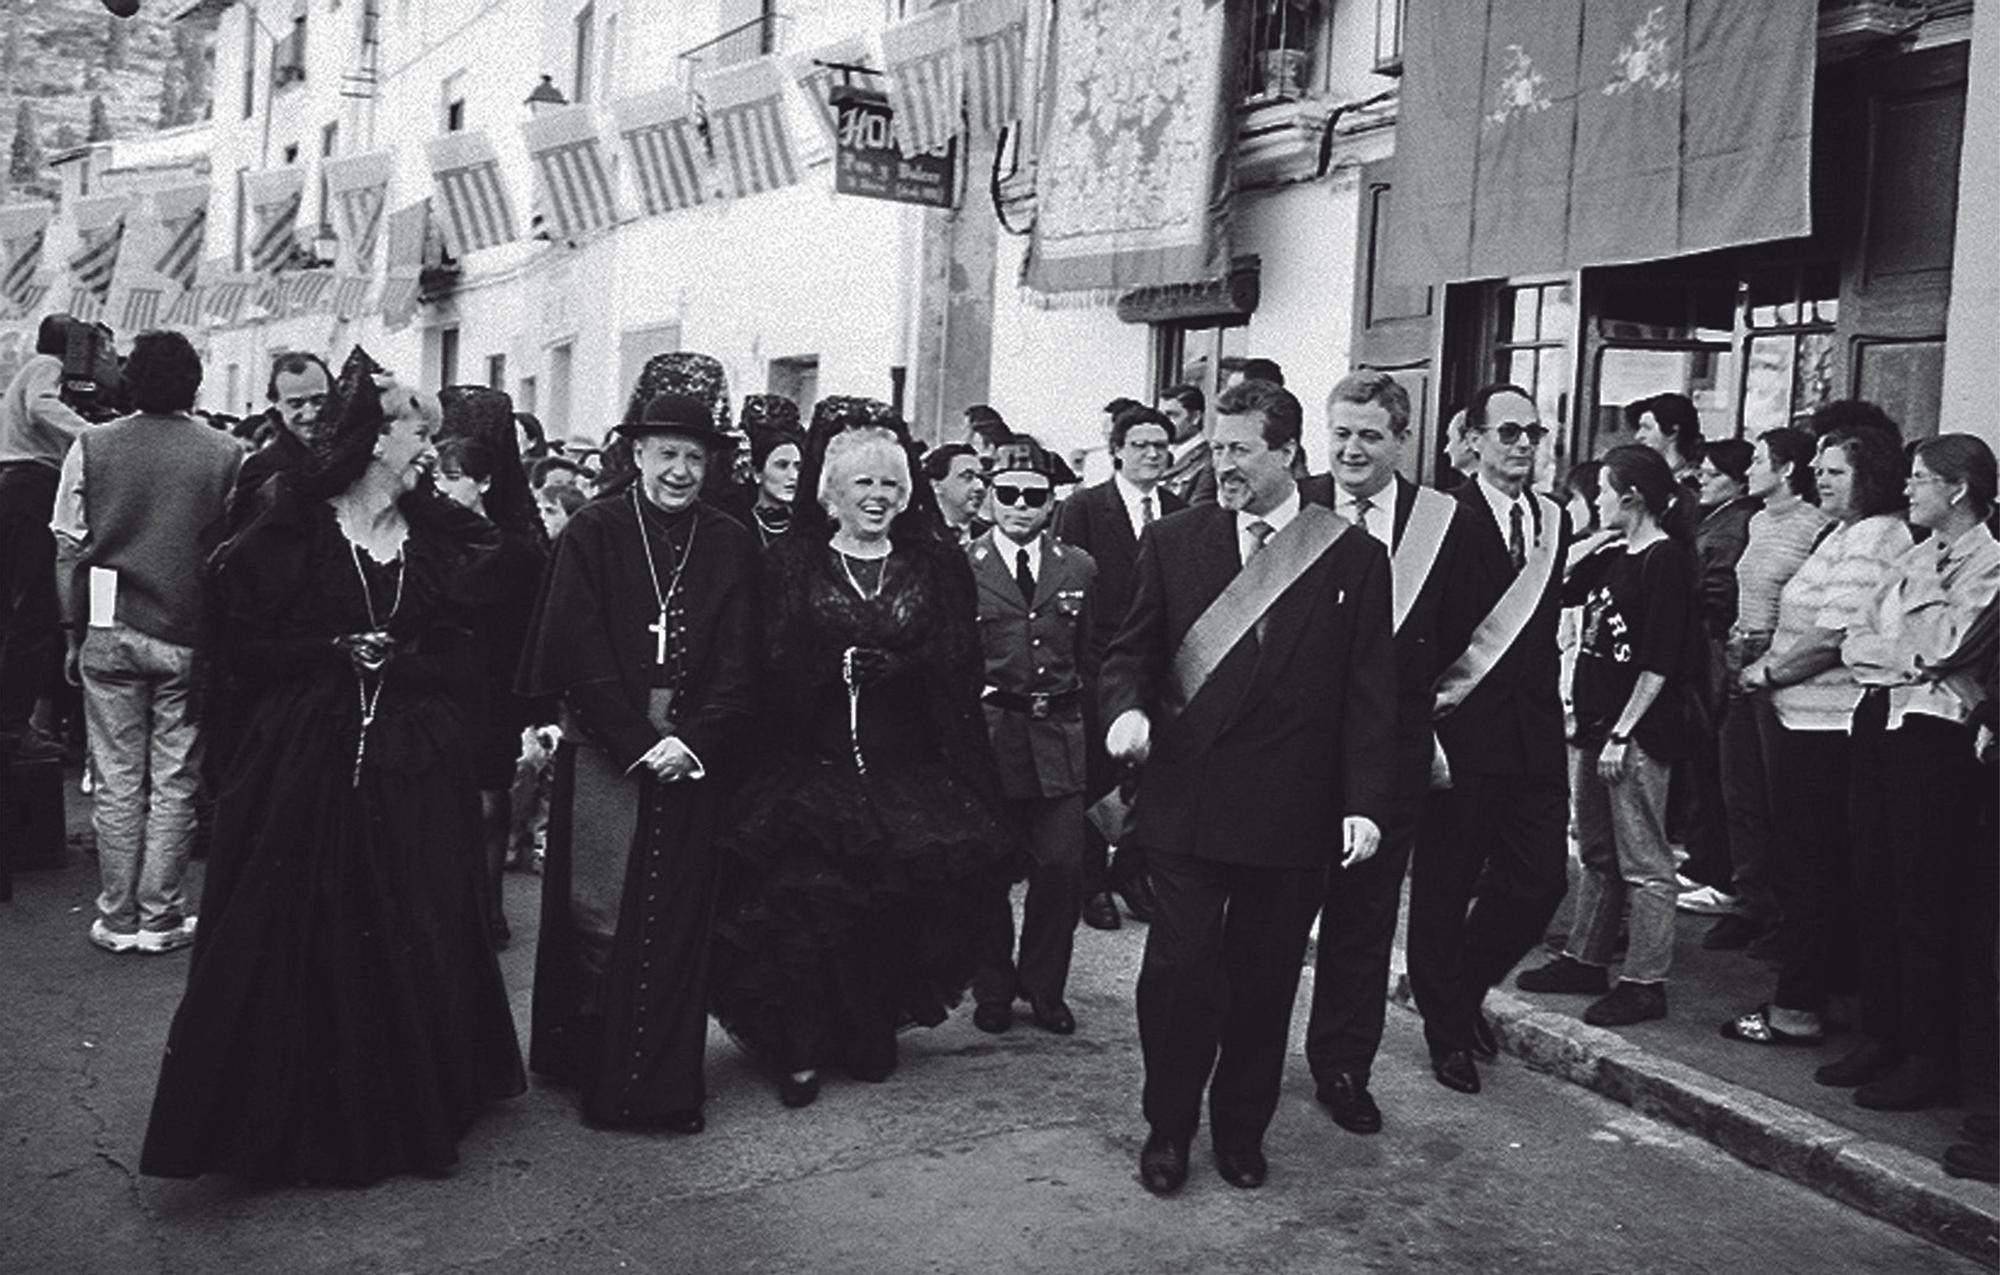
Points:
x=1030, y=635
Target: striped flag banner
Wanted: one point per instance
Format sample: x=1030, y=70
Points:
x=477, y=213
x=189, y=309
x=670, y=164
x=303, y=291
x=996, y=50
x=183, y=214
x=29, y=300
x=141, y=311
x=925, y=61
x=85, y=307
x=100, y=229
x=571, y=171
x=275, y=195
x=350, y=295
x=817, y=81
x=746, y=125
x=24, y=233
x=230, y=294
x=407, y=229
x=357, y=190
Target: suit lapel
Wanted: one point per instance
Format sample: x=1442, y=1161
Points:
x=1406, y=500
x=1111, y=508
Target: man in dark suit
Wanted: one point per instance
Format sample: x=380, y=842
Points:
x=1105, y=521
x=1368, y=422
x=297, y=391
x=1190, y=474
x=1498, y=839
x=1254, y=679
x=1034, y=596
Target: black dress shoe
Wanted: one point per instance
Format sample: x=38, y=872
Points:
x=1869, y=1060
x=993, y=1016
x=1099, y=912
x=1242, y=1169
x=1455, y=1069
x=1346, y=1096
x=1485, y=1045
x=1052, y=1016
x=1163, y=1164
x=798, y=1093
x=1138, y=899
x=689, y=1121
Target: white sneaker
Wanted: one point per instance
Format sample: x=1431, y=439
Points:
x=112, y=940
x=153, y=942
x=1706, y=900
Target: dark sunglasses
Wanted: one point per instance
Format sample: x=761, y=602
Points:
x=1510, y=433
x=1032, y=497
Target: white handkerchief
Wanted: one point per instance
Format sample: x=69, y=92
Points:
x=103, y=597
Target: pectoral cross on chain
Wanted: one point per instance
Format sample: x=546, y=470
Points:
x=658, y=629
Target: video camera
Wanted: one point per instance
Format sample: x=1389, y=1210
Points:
x=93, y=380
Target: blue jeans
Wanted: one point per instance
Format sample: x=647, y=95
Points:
x=144, y=743
x=1621, y=833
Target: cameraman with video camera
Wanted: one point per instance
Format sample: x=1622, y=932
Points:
x=37, y=426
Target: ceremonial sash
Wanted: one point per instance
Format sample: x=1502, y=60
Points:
x=1423, y=537
x=1273, y=569
x=1502, y=626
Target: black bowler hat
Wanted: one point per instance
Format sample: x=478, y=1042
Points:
x=677, y=414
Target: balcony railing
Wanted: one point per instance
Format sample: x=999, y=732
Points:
x=752, y=39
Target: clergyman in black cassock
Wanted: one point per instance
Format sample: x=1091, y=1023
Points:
x=646, y=631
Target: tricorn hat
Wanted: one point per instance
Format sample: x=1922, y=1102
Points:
x=1025, y=454
x=677, y=414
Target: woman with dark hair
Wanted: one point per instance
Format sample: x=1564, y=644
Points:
x=344, y=1017
x=480, y=469
x=1813, y=696
x=1780, y=536
x=1633, y=673
x=869, y=842
x=1913, y=799
x=771, y=422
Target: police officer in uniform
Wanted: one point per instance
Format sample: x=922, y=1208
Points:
x=1034, y=625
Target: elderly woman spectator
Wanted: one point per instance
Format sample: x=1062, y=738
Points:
x=1913, y=799
x=1860, y=475
x=1781, y=535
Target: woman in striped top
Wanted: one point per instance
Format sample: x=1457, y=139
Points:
x=1782, y=535
x=1913, y=804
x=1860, y=477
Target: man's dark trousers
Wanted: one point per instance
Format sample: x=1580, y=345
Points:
x=29, y=620
x=1351, y=968
x=1221, y=928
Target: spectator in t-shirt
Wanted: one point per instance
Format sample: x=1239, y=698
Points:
x=1633, y=670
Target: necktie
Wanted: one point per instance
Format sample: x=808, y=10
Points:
x=1146, y=511
x=1024, y=577
x=1362, y=504
x=1517, y=543
x=1260, y=532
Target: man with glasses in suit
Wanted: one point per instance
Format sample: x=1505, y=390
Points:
x=1489, y=866
x=1106, y=521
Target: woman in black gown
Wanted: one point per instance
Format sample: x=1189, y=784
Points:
x=866, y=840
x=479, y=467
x=344, y=1017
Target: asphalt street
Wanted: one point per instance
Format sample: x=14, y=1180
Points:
x=983, y=1153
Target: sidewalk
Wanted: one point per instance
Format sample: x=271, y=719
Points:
x=1758, y=1103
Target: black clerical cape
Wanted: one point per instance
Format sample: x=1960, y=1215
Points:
x=628, y=891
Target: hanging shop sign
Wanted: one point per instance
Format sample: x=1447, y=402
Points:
x=867, y=161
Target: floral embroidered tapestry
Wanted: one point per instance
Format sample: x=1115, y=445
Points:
x=1547, y=135
x=1133, y=185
